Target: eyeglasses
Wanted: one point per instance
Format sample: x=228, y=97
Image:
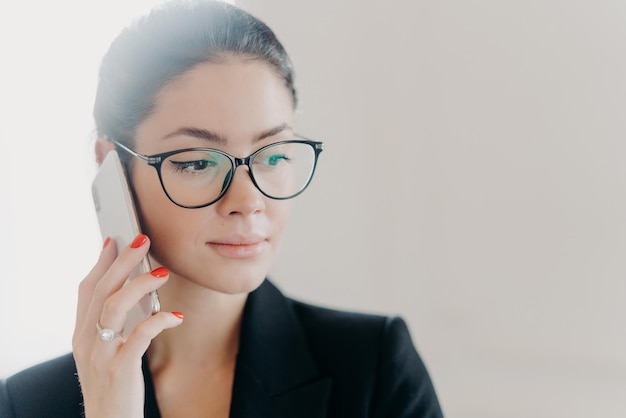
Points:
x=198, y=177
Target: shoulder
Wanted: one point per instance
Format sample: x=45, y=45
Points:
x=371, y=353
x=370, y=360
x=351, y=336
x=341, y=328
x=50, y=389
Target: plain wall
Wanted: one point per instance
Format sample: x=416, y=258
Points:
x=472, y=182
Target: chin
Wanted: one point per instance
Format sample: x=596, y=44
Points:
x=230, y=281
x=239, y=286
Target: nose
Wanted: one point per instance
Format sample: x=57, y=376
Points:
x=242, y=196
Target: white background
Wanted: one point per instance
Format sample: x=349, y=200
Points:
x=473, y=182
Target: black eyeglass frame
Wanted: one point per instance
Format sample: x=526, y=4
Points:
x=156, y=160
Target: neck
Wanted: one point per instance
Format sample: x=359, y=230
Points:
x=208, y=336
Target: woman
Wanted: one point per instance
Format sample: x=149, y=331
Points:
x=184, y=95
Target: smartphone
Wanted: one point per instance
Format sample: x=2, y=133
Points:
x=118, y=220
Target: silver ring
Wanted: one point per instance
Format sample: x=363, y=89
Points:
x=107, y=334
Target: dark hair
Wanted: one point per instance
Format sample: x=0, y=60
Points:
x=169, y=41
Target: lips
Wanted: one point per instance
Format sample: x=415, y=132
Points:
x=239, y=246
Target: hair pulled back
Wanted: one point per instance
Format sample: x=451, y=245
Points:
x=168, y=42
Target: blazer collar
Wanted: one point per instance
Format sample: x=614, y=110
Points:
x=275, y=375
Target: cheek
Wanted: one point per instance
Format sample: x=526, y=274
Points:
x=155, y=211
x=279, y=212
x=173, y=230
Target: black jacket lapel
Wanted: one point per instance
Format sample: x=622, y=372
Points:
x=275, y=374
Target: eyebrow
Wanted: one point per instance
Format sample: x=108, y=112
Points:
x=198, y=133
x=211, y=136
x=274, y=131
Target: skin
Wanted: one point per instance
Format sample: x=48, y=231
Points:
x=215, y=255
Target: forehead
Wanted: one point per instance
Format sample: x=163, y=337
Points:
x=231, y=82
x=235, y=98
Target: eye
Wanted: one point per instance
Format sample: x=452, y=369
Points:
x=276, y=159
x=193, y=166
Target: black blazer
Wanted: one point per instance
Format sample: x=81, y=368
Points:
x=295, y=361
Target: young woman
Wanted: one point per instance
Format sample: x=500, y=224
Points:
x=198, y=100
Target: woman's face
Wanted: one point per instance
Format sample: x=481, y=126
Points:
x=237, y=107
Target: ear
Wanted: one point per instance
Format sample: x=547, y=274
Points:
x=103, y=146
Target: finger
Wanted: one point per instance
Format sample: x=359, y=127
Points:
x=88, y=284
x=127, y=261
x=139, y=340
x=115, y=277
x=117, y=306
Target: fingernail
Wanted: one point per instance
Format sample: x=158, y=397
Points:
x=160, y=272
x=178, y=315
x=106, y=242
x=139, y=241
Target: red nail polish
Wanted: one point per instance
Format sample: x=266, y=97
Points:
x=139, y=241
x=106, y=242
x=178, y=315
x=160, y=272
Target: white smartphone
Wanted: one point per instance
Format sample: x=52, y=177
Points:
x=118, y=220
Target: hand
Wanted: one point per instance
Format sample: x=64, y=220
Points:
x=110, y=371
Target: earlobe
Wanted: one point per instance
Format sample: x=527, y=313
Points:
x=103, y=146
